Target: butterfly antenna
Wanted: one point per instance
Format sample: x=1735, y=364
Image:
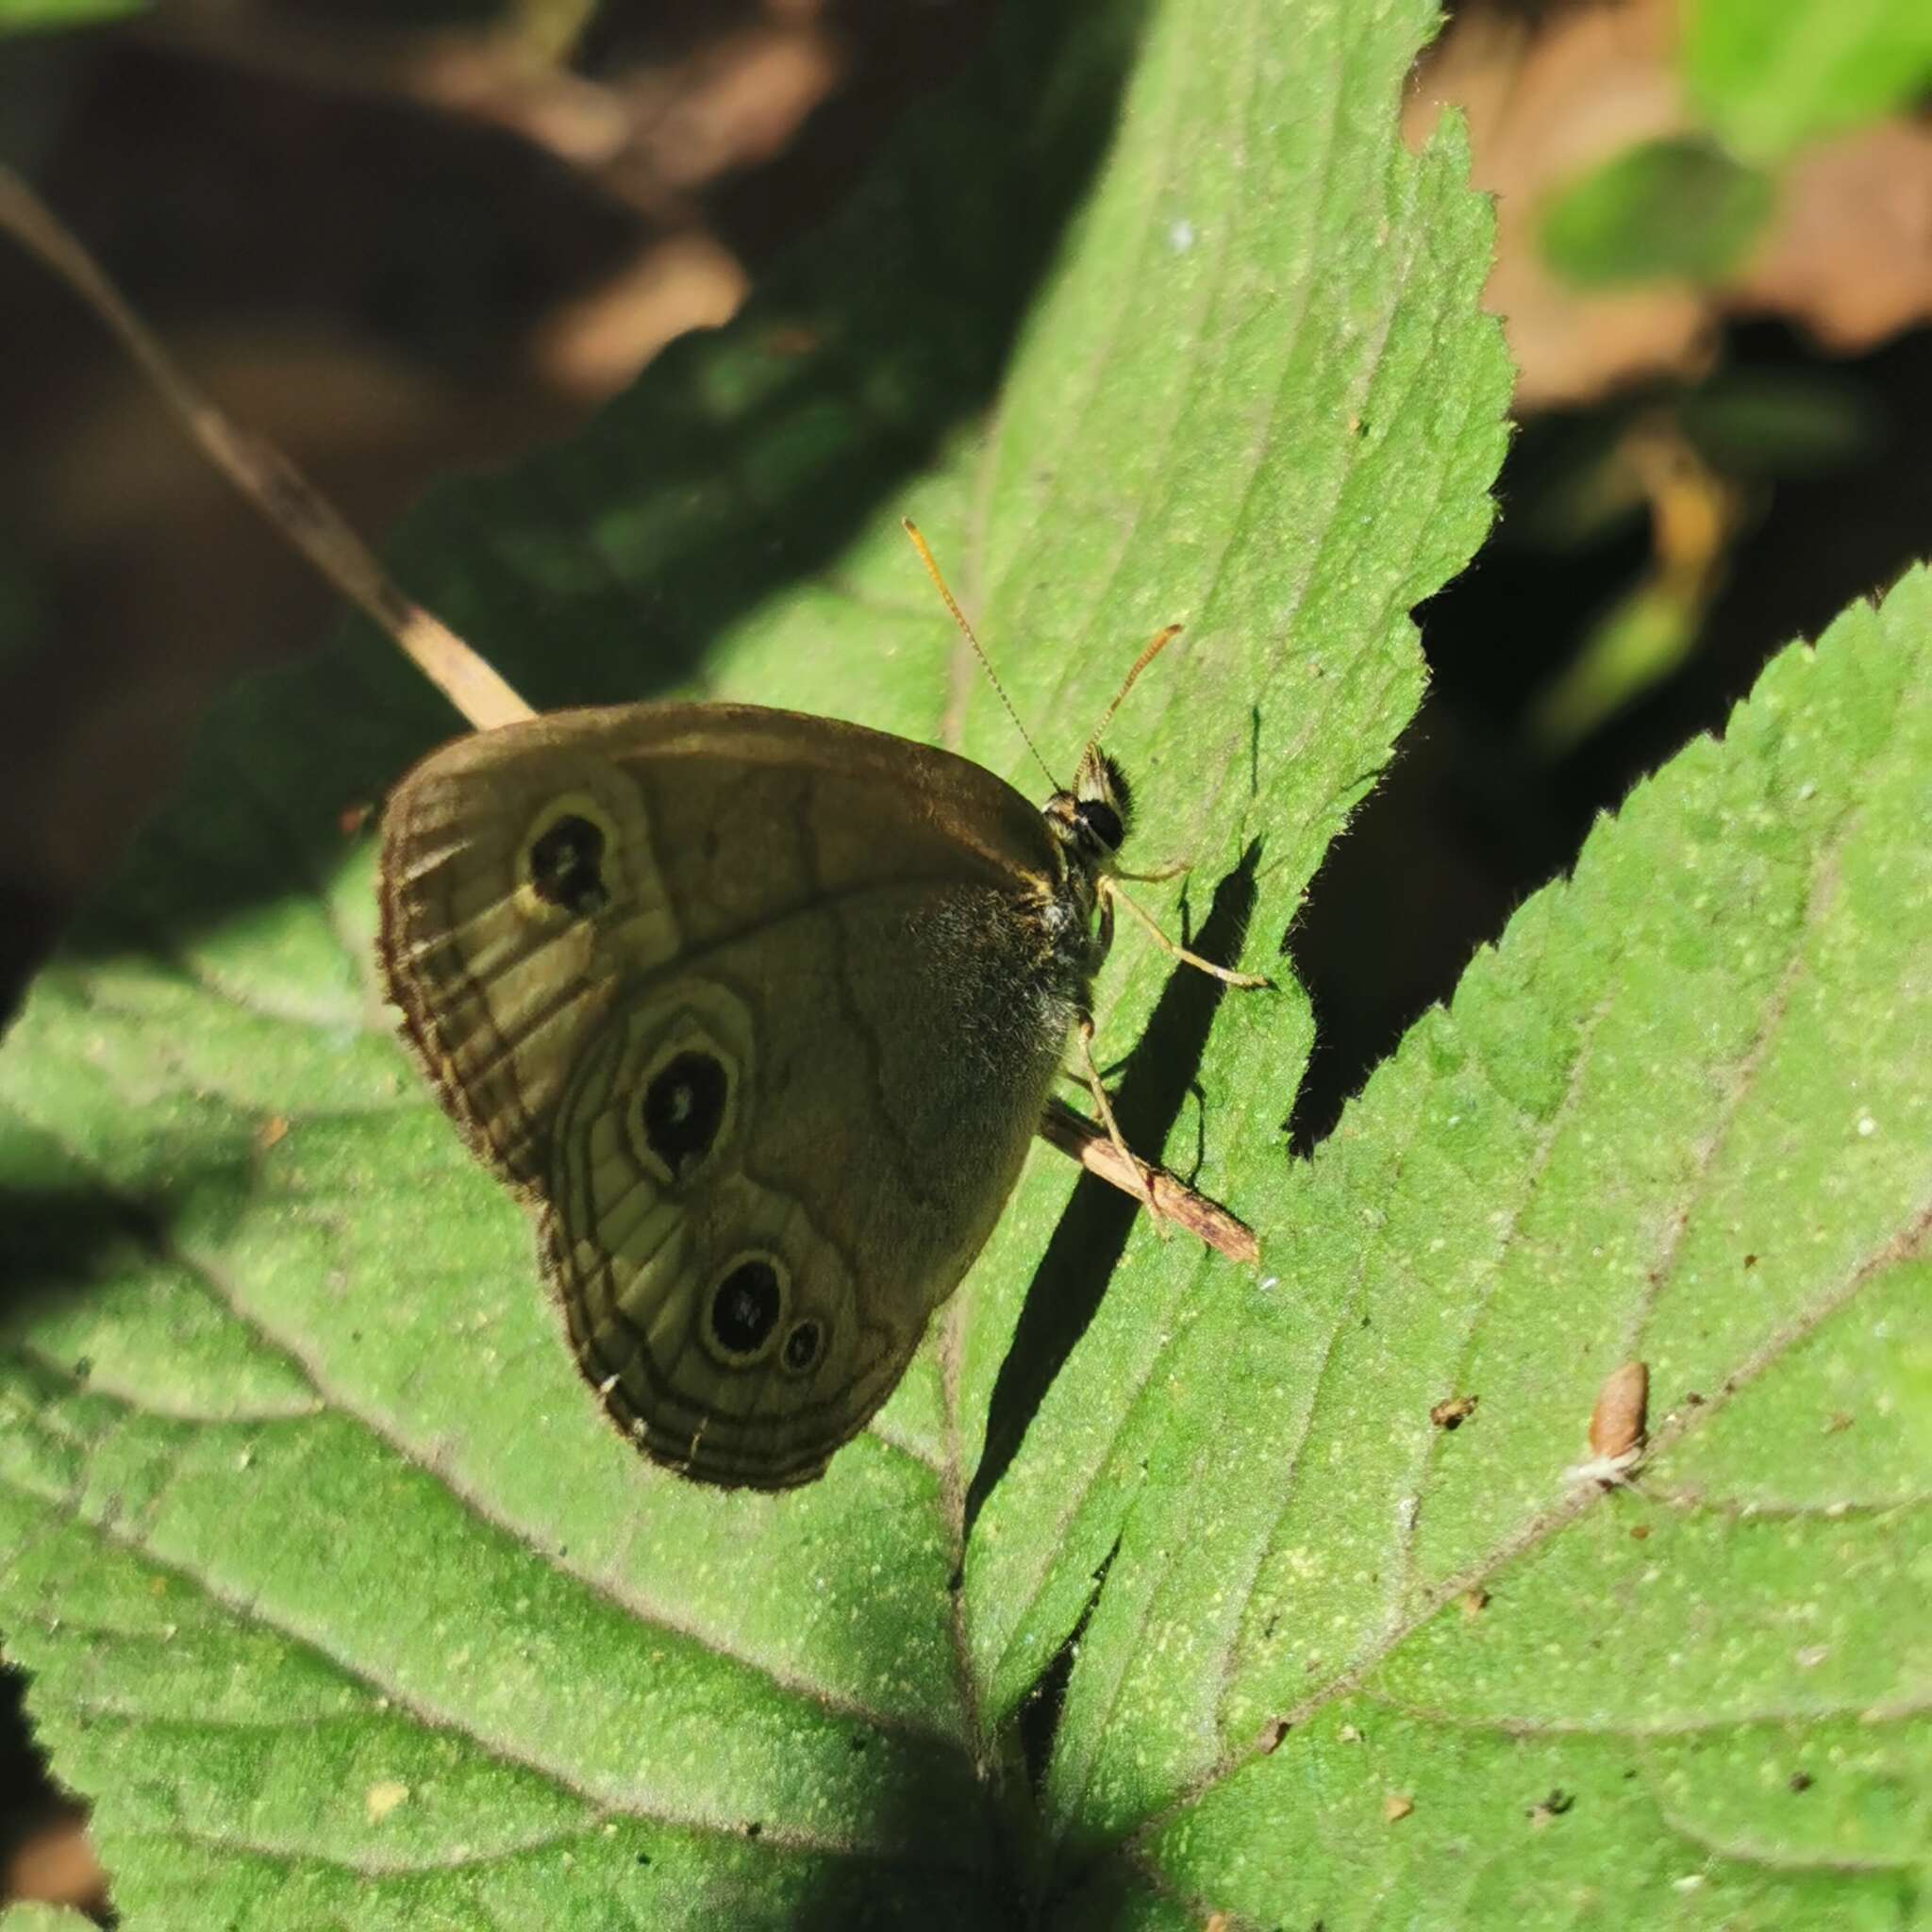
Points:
x=932, y=570
x=1160, y=640
x=264, y=476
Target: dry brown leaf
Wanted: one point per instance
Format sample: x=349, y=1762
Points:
x=1848, y=254
x=55, y=1864
x=1851, y=255
x=591, y=346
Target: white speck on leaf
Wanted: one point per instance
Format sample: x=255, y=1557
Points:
x=382, y=1798
x=1180, y=235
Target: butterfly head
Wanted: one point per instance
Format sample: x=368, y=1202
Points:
x=1093, y=819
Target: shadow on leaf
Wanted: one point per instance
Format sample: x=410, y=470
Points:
x=744, y=461
x=56, y=1242
x=1087, y=1246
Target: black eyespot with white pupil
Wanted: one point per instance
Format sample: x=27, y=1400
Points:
x=744, y=1308
x=1101, y=819
x=683, y=1109
x=802, y=1346
x=567, y=866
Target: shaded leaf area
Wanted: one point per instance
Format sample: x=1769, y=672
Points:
x=608, y=566
x=340, y=1599
x=1678, y=1115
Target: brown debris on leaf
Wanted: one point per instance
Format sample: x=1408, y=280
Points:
x=1619, y=1428
x=1619, y=1419
x=1546, y=1810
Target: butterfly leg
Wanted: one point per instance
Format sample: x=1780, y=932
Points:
x=1110, y=888
x=1082, y=1139
x=1171, y=870
x=1143, y=1173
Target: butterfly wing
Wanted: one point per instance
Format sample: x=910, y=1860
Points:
x=758, y=1013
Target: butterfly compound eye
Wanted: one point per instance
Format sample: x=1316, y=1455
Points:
x=1103, y=822
x=743, y=1309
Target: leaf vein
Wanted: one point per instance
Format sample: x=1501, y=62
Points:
x=630, y=1602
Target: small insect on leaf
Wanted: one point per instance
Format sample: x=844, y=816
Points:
x=1454, y=1412
x=1618, y=1426
x=1622, y=1407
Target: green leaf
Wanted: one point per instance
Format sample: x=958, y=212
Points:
x=341, y=1602
x=43, y=1918
x=44, y=16
x=1680, y=1114
x=1626, y=651
x=1769, y=78
x=1672, y=209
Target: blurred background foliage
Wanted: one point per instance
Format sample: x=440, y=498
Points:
x=407, y=235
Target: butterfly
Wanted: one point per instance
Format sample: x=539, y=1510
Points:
x=757, y=1012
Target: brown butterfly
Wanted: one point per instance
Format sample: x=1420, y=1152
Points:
x=758, y=1013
